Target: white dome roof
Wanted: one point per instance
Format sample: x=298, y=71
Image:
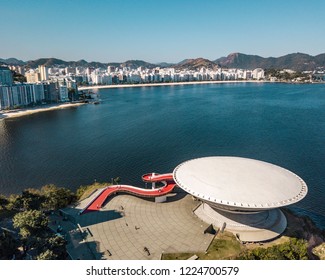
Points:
x=239, y=183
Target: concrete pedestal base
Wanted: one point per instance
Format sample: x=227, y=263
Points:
x=248, y=227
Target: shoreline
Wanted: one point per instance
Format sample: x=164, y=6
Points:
x=29, y=111
x=171, y=84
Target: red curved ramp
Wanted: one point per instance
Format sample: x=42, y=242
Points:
x=153, y=177
x=99, y=200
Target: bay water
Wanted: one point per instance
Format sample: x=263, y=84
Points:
x=153, y=129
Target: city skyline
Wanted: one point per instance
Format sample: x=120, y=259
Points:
x=115, y=31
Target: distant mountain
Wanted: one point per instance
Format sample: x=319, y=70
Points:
x=165, y=64
x=295, y=61
x=50, y=62
x=320, y=59
x=133, y=64
x=54, y=62
x=12, y=61
x=196, y=64
x=45, y=61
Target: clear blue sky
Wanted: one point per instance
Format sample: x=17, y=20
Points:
x=157, y=31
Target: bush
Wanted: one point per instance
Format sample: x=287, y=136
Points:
x=55, y=197
x=294, y=249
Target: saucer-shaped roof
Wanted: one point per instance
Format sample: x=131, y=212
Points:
x=239, y=183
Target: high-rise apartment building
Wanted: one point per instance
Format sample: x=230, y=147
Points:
x=43, y=70
x=5, y=76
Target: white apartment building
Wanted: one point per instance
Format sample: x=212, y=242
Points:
x=43, y=70
x=258, y=74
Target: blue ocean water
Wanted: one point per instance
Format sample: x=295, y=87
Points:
x=140, y=130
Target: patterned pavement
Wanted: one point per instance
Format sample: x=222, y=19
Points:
x=129, y=227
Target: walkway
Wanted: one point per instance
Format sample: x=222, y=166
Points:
x=168, y=186
x=127, y=224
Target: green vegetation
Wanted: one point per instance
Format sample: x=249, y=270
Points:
x=294, y=249
x=35, y=240
x=30, y=223
x=27, y=211
x=177, y=256
x=226, y=247
x=85, y=191
x=56, y=198
x=48, y=198
x=18, y=77
x=283, y=75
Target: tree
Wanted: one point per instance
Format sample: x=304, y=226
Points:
x=55, y=197
x=31, y=222
x=14, y=202
x=294, y=249
x=47, y=255
x=31, y=199
x=51, y=245
x=57, y=245
x=19, y=77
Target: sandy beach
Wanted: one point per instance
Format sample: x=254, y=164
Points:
x=167, y=84
x=28, y=111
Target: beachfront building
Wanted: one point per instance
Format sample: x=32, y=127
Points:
x=19, y=95
x=258, y=74
x=126, y=75
x=113, y=75
x=318, y=76
x=22, y=95
x=5, y=76
x=63, y=93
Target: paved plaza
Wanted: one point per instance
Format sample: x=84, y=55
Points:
x=128, y=227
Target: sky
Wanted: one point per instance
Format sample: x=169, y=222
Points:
x=159, y=31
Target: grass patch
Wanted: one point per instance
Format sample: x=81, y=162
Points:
x=177, y=256
x=224, y=247
x=84, y=191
